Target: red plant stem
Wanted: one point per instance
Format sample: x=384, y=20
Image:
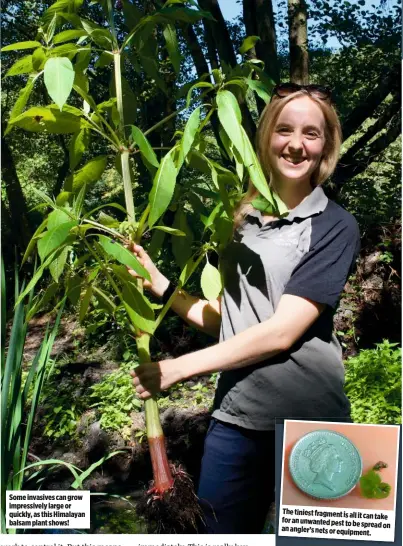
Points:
x=163, y=479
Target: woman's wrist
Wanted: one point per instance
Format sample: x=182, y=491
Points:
x=173, y=370
x=187, y=366
x=160, y=287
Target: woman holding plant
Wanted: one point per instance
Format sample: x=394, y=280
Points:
x=282, y=280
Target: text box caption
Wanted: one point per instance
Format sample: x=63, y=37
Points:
x=340, y=523
x=48, y=510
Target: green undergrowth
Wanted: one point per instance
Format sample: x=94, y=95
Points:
x=111, y=401
x=120, y=521
x=373, y=384
x=114, y=399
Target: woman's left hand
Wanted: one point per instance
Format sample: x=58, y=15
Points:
x=152, y=377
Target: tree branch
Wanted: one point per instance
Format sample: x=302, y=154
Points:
x=361, y=161
x=386, y=84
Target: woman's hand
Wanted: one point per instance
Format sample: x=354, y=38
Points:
x=159, y=283
x=152, y=377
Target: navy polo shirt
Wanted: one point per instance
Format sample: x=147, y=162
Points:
x=309, y=253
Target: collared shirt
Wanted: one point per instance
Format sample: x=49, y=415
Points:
x=308, y=253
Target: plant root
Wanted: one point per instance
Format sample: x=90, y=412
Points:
x=175, y=510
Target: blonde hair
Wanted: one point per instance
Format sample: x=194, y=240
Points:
x=267, y=123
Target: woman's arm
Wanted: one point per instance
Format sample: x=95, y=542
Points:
x=293, y=317
x=202, y=314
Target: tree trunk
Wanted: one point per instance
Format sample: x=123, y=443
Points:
x=259, y=21
x=223, y=44
x=219, y=32
x=201, y=69
x=298, y=36
x=18, y=209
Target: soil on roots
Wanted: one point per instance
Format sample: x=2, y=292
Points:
x=176, y=510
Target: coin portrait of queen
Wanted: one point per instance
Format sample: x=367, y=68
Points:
x=324, y=461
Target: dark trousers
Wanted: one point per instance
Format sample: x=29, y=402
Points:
x=236, y=484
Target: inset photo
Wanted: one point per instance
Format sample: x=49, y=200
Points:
x=339, y=481
x=341, y=465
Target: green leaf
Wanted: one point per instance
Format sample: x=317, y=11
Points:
x=38, y=274
x=65, y=50
x=21, y=45
x=79, y=480
x=106, y=104
x=197, y=206
x=98, y=34
x=82, y=60
x=151, y=68
x=56, y=218
x=87, y=175
x=223, y=229
x=131, y=15
x=107, y=220
x=78, y=202
x=78, y=145
x=171, y=42
x=260, y=203
x=189, y=134
x=32, y=242
x=259, y=88
x=156, y=244
x=123, y=256
x=39, y=59
x=68, y=35
x=39, y=119
x=237, y=82
x=113, y=205
x=21, y=102
x=171, y=231
x=73, y=287
x=268, y=82
x=54, y=238
x=43, y=300
x=56, y=267
x=104, y=59
x=176, y=13
x=229, y=115
x=196, y=86
x=85, y=302
x=189, y=269
x=248, y=43
x=182, y=246
x=59, y=79
x=163, y=188
x=140, y=312
x=251, y=162
x=147, y=153
x=63, y=198
x=22, y=66
x=211, y=282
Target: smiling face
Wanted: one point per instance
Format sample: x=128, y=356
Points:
x=297, y=143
